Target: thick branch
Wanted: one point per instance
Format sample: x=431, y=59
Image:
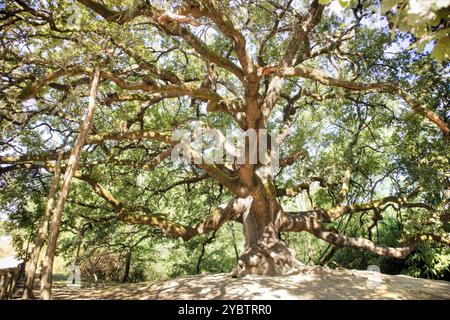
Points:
x=311, y=223
x=340, y=240
x=289, y=160
x=170, y=228
x=225, y=25
x=324, y=79
x=34, y=88
x=119, y=17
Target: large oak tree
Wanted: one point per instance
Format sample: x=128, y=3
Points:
x=353, y=121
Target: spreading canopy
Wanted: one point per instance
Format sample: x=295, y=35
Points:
x=362, y=120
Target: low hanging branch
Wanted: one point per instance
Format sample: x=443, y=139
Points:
x=215, y=220
x=312, y=223
x=340, y=240
x=46, y=281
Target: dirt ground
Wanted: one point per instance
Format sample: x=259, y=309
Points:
x=311, y=283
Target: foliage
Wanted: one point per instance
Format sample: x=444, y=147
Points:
x=426, y=19
x=392, y=149
x=429, y=262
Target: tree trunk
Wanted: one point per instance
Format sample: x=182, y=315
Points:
x=264, y=252
x=40, y=239
x=81, y=231
x=233, y=237
x=126, y=273
x=46, y=281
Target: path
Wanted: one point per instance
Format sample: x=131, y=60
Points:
x=312, y=283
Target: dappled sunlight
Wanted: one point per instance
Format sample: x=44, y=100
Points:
x=310, y=283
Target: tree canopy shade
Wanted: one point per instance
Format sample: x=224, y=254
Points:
x=362, y=121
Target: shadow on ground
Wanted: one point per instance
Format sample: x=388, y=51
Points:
x=311, y=283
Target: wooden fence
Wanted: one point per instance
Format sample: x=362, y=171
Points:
x=8, y=280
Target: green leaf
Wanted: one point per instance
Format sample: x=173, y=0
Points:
x=324, y=2
x=422, y=43
x=387, y=5
x=441, y=51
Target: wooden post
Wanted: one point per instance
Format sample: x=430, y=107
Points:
x=12, y=288
x=2, y=284
x=6, y=285
x=46, y=281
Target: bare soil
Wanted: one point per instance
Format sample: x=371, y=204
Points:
x=311, y=283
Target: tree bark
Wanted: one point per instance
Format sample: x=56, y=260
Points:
x=126, y=272
x=233, y=237
x=81, y=231
x=40, y=239
x=46, y=281
x=202, y=252
x=264, y=252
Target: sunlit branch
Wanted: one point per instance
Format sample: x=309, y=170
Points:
x=386, y=87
